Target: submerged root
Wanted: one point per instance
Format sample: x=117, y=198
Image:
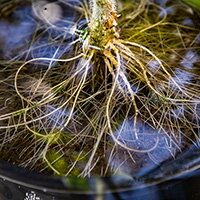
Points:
x=100, y=100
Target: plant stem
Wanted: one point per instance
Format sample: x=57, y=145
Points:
x=102, y=27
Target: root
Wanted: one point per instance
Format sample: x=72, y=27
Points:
x=109, y=93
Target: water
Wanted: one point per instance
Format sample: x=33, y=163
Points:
x=38, y=114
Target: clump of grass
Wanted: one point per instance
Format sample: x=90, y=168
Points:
x=121, y=66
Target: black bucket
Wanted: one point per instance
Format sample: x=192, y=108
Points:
x=176, y=179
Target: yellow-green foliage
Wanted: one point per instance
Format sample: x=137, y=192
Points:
x=193, y=3
x=57, y=161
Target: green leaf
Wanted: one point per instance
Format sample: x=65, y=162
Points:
x=193, y=3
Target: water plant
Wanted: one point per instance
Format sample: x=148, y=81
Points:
x=121, y=81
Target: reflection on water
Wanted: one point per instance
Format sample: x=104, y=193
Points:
x=150, y=147
x=182, y=76
x=27, y=34
x=188, y=22
x=190, y=58
x=57, y=119
x=15, y=35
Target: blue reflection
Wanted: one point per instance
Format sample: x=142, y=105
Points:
x=58, y=117
x=160, y=2
x=153, y=66
x=182, y=77
x=188, y=22
x=14, y=35
x=150, y=147
x=167, y=11
x=198, y=38
x=189, y=59
x=25, y=37
x=179, y=111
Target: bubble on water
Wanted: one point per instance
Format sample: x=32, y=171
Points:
x=47, y=12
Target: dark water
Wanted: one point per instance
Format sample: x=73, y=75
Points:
x=27, y=33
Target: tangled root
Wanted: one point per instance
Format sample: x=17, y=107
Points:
x=92, y=103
